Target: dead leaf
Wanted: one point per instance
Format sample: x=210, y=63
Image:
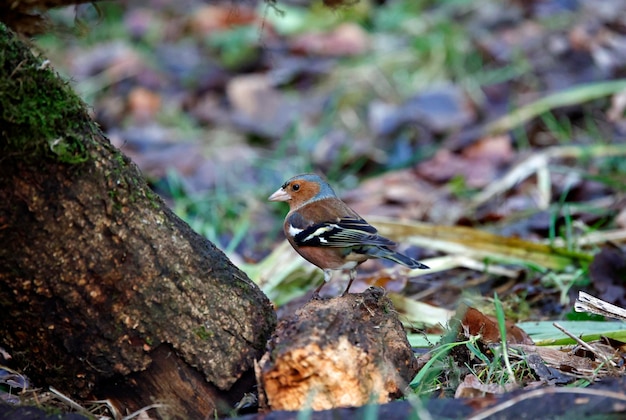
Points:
x=211, y=18
x=472, y=387
x=479, y=164
x=258, y=106
x=446, y=165
x=496, y=150
x=347, y=39
x=563, y=360
x=476, y=323
x=399, y=194
x=143, y=104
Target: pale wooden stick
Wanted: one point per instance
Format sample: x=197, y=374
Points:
x=593, y=305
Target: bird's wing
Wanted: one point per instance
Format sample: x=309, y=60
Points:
x=345, y=232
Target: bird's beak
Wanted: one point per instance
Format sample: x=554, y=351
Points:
x=279, y=195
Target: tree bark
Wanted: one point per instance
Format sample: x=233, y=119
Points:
x=99, y=280
x=28, y=17
x=343, y=352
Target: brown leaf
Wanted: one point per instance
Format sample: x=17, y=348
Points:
x=258, y=106
x=496, y=150
x=478, y=164
x=472, y=387
x=212, y=18
x=347, y=39
x=405, y=195
x=476, y=323
x=562, y=360
x=143, y=104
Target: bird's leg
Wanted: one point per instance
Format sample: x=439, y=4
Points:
x=327, y=276
x=352, y=277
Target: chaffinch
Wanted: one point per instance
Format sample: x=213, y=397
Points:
x=328, y=233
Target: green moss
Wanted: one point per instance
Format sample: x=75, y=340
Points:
x=155, y=200
x=121, y=159
x=203, y=333
x=120, y=176
x=40, y=115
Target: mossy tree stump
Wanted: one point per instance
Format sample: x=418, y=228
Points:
x=105, y=292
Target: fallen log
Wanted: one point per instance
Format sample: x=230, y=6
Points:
x=342, y=352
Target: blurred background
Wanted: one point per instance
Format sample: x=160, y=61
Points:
x=411, y=108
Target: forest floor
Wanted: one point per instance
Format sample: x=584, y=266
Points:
x=488, y=138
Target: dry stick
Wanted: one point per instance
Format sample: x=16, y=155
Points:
x=594, y=238
x=585, y=345
x=591, y=304
x=544, y=391
x=538, y=163
x=68, y=401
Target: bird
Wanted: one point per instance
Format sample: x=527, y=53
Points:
x=326, y=232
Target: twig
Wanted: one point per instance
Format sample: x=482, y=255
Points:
x=583, y=344
x=67, y=400
x=538, y=164
x=594, y=238
x=591, y=304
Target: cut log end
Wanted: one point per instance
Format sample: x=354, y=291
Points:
x=342, y=352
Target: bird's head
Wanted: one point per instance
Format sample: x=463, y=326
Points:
x=302, y=189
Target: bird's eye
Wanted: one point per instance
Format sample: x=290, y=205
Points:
x=295, y=187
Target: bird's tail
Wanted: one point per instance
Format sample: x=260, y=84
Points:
x=396, y=257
